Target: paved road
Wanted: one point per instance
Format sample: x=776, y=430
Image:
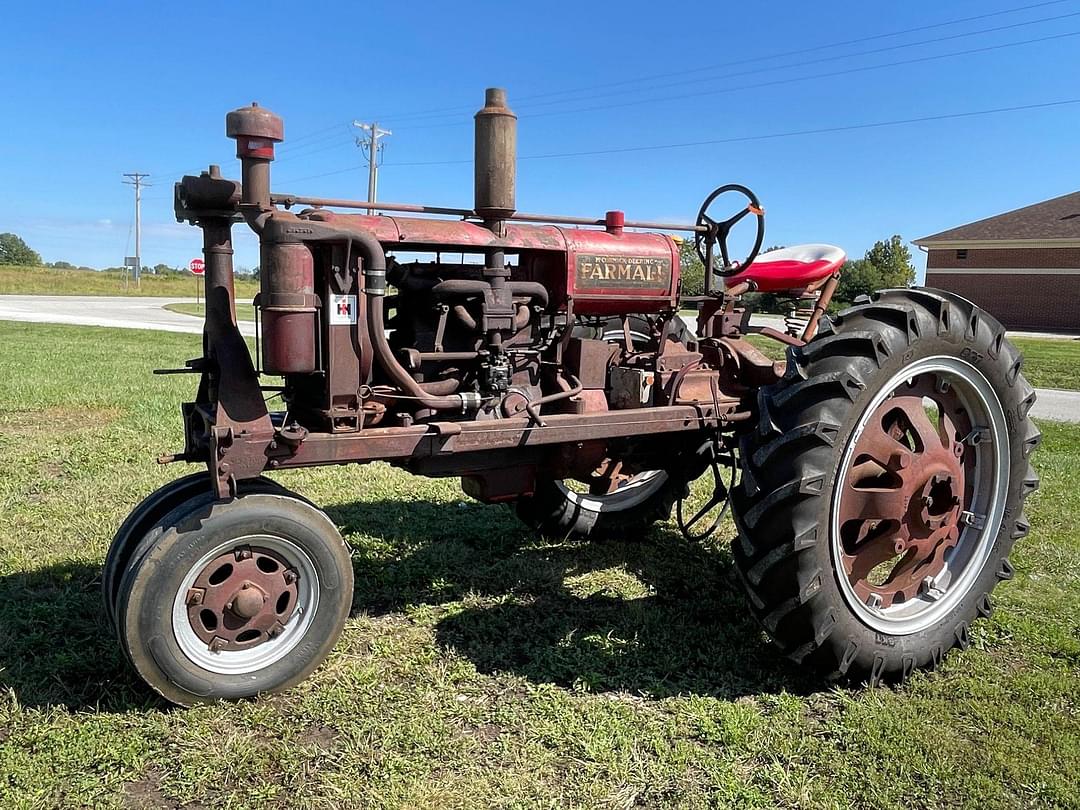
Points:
x=96, y=310
x=1057, y=405
x=148, y=313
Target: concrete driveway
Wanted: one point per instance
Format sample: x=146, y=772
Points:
x=98, y=310
x=1057, y=405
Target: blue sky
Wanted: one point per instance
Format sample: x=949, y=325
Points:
x=94, y=90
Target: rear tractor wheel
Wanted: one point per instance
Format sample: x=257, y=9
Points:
x=619, y=504
x=230, y=599
x=883, y=486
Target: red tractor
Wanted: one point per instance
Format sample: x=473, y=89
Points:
x=877, y=475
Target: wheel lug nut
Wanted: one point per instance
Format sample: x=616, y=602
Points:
x=195, y=597
x=243, y=553
x=290, y=576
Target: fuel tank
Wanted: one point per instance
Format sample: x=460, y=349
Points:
x=608, y=270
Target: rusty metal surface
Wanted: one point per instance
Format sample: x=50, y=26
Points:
x=495, y=158
x=242, y=598
x=900, y=509
x=440, y=438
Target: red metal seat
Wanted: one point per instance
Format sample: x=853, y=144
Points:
x=791, y=268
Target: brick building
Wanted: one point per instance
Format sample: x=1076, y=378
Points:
x=1022, y=266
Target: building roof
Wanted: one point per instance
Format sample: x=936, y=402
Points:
x=1049, y=221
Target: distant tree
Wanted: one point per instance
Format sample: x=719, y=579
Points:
x=886, y=264
x=893, y=261
x=60, y=265
x=691, y=269
x=162, y=270
x=255, y=273
x=14, y=250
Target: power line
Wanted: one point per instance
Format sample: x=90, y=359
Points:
x=294, y=149
x=463, y=110
x=735, y=139
x=812, y=49
x=794, y=79
x=298, y=146
x=833, y=58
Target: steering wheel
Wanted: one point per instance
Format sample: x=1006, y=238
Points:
x=714, y=233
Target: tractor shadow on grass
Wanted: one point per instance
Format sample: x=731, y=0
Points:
x=651, y=615
x=57, y=647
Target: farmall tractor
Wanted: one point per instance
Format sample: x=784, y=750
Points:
x=877, y=475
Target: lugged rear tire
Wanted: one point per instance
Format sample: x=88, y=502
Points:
x=790, y=553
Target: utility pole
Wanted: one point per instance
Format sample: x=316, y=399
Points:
x=136, y=180
x=372, y=147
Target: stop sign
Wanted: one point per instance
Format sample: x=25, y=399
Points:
x=196, y=266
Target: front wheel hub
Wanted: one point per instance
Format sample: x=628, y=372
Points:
x=242, y=598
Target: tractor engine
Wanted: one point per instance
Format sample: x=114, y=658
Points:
x=394, y=323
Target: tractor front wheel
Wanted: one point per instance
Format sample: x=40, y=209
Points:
x=230, y=599
x=883, y=485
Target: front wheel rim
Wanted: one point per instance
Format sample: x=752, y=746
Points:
x=920, y=495
x=215, y=640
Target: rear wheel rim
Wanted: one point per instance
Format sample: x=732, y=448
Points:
x=633, y=491
x=239, y=621
x=920, y=495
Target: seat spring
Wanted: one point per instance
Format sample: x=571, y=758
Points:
x=799, y=312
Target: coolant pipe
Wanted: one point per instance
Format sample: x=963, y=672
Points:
x=465, y=286
x=374, y=259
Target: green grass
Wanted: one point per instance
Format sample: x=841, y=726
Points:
x=484, y=667
x=244, y=312
x=1051, y=363
x=1048, y=362
x=48, y=281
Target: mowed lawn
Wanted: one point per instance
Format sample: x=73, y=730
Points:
x=15, y=280
x=484, y=667
x=1051, y=363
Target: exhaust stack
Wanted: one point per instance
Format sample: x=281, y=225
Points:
x=495, y=158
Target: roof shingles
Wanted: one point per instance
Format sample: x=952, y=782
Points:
x=1058, y=218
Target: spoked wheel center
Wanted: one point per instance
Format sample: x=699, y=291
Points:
x=608, y=477
x=914, y=490
x=241, y=598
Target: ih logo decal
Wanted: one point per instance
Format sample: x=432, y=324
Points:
x=342, y=309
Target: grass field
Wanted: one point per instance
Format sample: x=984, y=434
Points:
x=47, y=281
x=1048, y=362
x=483, y=667
x=244, y=312
x=1051, y=363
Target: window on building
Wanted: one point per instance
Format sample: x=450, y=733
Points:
x=961, y=254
